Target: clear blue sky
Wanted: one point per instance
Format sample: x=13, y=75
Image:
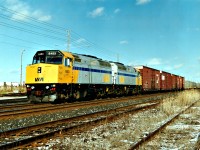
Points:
x=163, y=34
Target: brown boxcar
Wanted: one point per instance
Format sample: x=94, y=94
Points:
x=169, y=81
x=150, y=78
x=177, y=82
x=173, y=81
x=181, y=83
x=165, y=81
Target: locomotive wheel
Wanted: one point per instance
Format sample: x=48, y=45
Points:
x=100, y=94
x=84, y=93
x=77, y=95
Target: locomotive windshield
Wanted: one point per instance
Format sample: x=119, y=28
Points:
x=49, y=57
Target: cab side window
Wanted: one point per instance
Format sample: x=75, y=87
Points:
x=67, y=62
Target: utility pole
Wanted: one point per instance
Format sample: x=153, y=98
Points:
x=68, y=40
x=21, y=72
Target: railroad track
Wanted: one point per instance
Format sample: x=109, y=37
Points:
x=32, y=109
x=14, y=106
x=13, y=94
x=18, y=133
x=158, y=130
x=129, y=129
x=17, y=107
x=14, y=100
x=33, y=135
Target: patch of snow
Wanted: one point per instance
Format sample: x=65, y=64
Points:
x=186, y=115
x=126, y=141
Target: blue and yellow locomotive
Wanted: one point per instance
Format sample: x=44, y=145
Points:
x=56, y=75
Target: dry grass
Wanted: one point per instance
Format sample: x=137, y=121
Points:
x=183, y=99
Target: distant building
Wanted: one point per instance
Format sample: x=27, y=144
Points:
x=9, y=83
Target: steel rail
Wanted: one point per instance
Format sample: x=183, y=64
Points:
x=111, y=114
x=28, y=111
x=147, y=137
x=16, y=100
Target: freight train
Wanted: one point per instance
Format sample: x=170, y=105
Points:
x=156, y=80
x=191, y=85
x=56, y=75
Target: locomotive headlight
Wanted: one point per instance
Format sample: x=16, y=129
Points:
x=47, y=87
x=27, y=86
x=53, y=85
x=32, y=87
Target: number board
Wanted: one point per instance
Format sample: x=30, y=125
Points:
x=53, y=53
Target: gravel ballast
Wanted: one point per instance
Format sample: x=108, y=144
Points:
x=128, y=130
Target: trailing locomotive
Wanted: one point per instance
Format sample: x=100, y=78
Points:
x=56, y=75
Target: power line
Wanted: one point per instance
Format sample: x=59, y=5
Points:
x=29, y=31
x=33, y=26
x=22, y=40
x=31, y=18
x=13, y=44
x=75, y=38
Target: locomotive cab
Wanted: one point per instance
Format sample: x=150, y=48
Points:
x=48, y=71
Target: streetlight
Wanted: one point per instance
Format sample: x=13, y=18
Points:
x=21, y=71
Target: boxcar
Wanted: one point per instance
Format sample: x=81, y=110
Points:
x=191, y=85
x=177, y=82
x=174, y=82
x=181, y=83
x=150, y=78
x=166, y=81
